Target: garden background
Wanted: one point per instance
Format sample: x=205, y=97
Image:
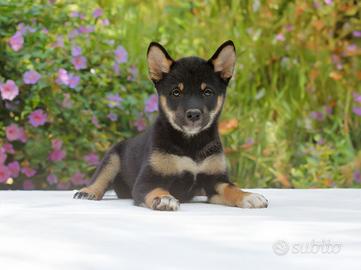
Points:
x=73, y=81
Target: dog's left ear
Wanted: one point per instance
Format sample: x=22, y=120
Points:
x=224, y=59
x=159, y=61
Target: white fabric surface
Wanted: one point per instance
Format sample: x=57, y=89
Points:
x=49, y=230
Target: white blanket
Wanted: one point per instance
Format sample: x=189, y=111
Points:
x=301, y=229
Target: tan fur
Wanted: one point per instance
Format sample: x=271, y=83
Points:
x=105, y=177
x=169, y=164
x=169, y=113
x=228, y=195
x=155, y=193
x=181, y=86
x=203, y=86
x=213, y=113
x=157, y=63
x=225, y=61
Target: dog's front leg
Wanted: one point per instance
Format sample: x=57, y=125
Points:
x=226, y=193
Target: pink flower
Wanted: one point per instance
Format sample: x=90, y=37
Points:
x=357, y=97
x=140, y=124
x=357, y=110
x=328, y=2
x=37, y=118
x=29, y=172
x=57, y=155
x=28, y=184
x=92, y=159
x=356, y=34
x=16, y=42
x=14, y=168
x=2, y=156
x=105, y=22
x=9, y=90
x=280, y=37
x=4, y=173
x=56, y=144
x=78, y=179
x=31, y=77
x=151, y=104
x=97, y=13
x=14, y=132
x=52, y=179
x=73, y=81
x=121, y=55
x=76, y=51
x=8, y=148
x=79, y=62
x=22, y=136
x=63, y=77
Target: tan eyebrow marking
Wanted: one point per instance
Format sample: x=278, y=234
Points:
x=203, y=86
x=181, y=86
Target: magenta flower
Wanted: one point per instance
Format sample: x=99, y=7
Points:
x=121, y=55
x=16, y=42
x=22, y=136
x=79, y=62
x=52, y=179
x=140, y=124
x=2, y=156
x=56, y=144
x=114, y=100
x=4, y=173
x=73, y=81
x=38, y=118
x=14, y=168
x=29, y=172
x=78, y=179
x=76, y=51
x=113, y=117
x=31, y=77
x=357, y=110
x=28, y=185
x=63, y=77
x=92, y=159
x=9, y=90
x=356, y=34
x=151, y=104
x=8, y=148
x=14, y=132
x=97, y=13
x=57, y=155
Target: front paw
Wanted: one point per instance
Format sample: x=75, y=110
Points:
x=165, y=203
x=253, y=200
x=88, y=194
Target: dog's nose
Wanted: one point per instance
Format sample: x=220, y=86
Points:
x=193, y=115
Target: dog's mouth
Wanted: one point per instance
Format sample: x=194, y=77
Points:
x=192, y=129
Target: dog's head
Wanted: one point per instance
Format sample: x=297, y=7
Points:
x=191, y=90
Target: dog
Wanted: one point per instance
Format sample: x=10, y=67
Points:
x=181, y=154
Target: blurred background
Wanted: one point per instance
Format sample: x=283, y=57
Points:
x=73, y=81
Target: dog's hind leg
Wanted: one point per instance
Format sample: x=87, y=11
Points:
x=103, y=176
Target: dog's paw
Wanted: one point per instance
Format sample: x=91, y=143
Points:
x=165, y=203
x=253, y=200
x=87, y=194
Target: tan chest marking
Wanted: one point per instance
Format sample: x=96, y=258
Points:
x=169, y=164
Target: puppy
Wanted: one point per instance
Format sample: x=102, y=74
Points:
x=181, y=153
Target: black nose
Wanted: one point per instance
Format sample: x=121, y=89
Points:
x=193, y=115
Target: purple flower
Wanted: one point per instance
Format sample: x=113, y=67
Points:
x=29, y=172
x=8, y=148
x=14, y=168
x=78, y=179
x=16, y=42
x=59, y=43
x=92, y=159
x=4, y=173
x=86, y=29
x=140, y=124
x=116, y=68
x=28, y=184
x=113, y=117
x=79, y=62
x=357, y=110
x=63, y=77
x=45, y=31
x=2, y=156
x=52, y=179
x=280, y=37
x=357, y=176
x=121, y=55
x=133, y=73
x=357, y=97
x=356, y=34
x=74, y=14
x=73, y=33
x=151, y=104
x=9, y=90
x=318, y=116
x=76, y=51
x=114, y=100
x=57, y=155
x=105, y=22
x=31, y=77
x=328, y=2
x=38, y=118
x=14, y=132
x=97, y=13
x=73, y=81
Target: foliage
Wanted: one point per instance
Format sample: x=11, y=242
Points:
x=293, y=112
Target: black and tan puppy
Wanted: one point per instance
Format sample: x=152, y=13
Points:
x=181, y=153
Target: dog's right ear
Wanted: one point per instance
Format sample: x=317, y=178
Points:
x=159, y=61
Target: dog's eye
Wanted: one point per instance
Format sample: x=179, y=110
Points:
x=208, y=92
x=176, y=92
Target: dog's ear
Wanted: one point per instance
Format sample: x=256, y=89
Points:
x=159, y=61
x=224, y=59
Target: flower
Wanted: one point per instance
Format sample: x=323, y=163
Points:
x=56, y=144
x=116, y=68
x=52, y=179
x=151, y=104
x=328, y=2
x=73, y=81
x=31, y=77
x=63, y=77
x=357, y=110
x=357, y=97
x=28, y=184
x=105, y=22
x=8, y=148
x=97, y=13
x=79, y=62
x=357, y=176
x=14, y=168
x=2, y=156
x=29, y=172
x=85, y=29
x=4, y=173
x=57, y=155
x=114, y=100
x=112, y=116
x=133, y=73
x=280, y=37
x=59, y=43
x=140, y=124
x=76, y=51
x=121, y=55
x=356, y=34
x=318, y=116
x=73, y=33
x=92, y=159
x=78, y=179
x=16, y=42
x=9, y=90
x=14, y=132
x=37, y=118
